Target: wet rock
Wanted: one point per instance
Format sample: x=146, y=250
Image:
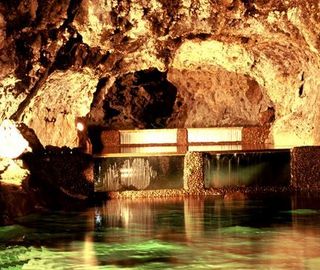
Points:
x=237, y=195
x=30, y=136
x=15, y=198
x=63, y=176
x=15, y=201
x=56, y=178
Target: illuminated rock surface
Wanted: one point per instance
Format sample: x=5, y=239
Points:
x=222, y=63
x=55, y=178
x=12, y=172
x=12, y=143
x=53, y=111
x=15, y=199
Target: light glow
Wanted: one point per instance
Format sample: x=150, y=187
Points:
x=80, y=126
x=221, y=134
x=148, y=136
x=14, y=173
x=150, y=149
x=12, y=143
x=224, y=147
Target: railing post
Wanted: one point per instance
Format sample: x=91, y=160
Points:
x=182, y=140
x=193, y=173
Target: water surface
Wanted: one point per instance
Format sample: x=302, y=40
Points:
x=269, y=232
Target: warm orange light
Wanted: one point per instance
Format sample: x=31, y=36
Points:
x=12, y=143
x=148, y=136
x=217, y=134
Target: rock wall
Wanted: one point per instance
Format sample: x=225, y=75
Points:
x=53, y=111
x=305, y=167
x=217, y=63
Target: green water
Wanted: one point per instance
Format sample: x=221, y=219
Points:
x=265, y=233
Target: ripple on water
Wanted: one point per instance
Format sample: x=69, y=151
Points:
x=303, y=212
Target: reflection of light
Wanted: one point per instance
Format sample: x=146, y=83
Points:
x=150, y=149
x=98, y=220
x=225, y=147
x=89, y=254
x=12, y=143
x=148, y=136
x=126, y=172
x=125, y=215
x=80, y=126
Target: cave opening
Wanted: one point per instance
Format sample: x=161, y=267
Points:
x=143, y=99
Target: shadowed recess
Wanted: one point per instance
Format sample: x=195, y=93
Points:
x=143, y=99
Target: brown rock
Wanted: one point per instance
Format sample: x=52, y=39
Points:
x=193, y=173
x=232, y=63
x=305, y=167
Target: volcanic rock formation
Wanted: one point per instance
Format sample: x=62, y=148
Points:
x=154, y=64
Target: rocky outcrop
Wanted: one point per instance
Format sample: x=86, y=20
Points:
x=57, y=178
x=15, y=199
x=222, y=63
x=46, y=178
x=64, y=175
x=53, y=111
x=13, y=172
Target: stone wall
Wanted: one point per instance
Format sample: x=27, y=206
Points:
x=305, y=167
x=156, y=64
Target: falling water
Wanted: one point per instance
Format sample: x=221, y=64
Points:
x=245, y=169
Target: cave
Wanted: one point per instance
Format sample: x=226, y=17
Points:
x=159, y=134
x=143, y=100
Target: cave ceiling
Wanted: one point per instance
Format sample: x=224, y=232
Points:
x=126, y=64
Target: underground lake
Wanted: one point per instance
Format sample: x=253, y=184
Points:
x=197, y=205
x=266, y=232
x=161, y=134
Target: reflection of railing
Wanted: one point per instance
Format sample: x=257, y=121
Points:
x=138, y=173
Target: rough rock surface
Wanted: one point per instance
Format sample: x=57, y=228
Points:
x=13, y=172
x=305, y=167
x=54, y=178
x=193, y=173
x=63, y=175
x=231, y=62
x=15, y=200
x=53, y=111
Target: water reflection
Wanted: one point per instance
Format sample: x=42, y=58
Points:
x=138, y=173
x=278, y=232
